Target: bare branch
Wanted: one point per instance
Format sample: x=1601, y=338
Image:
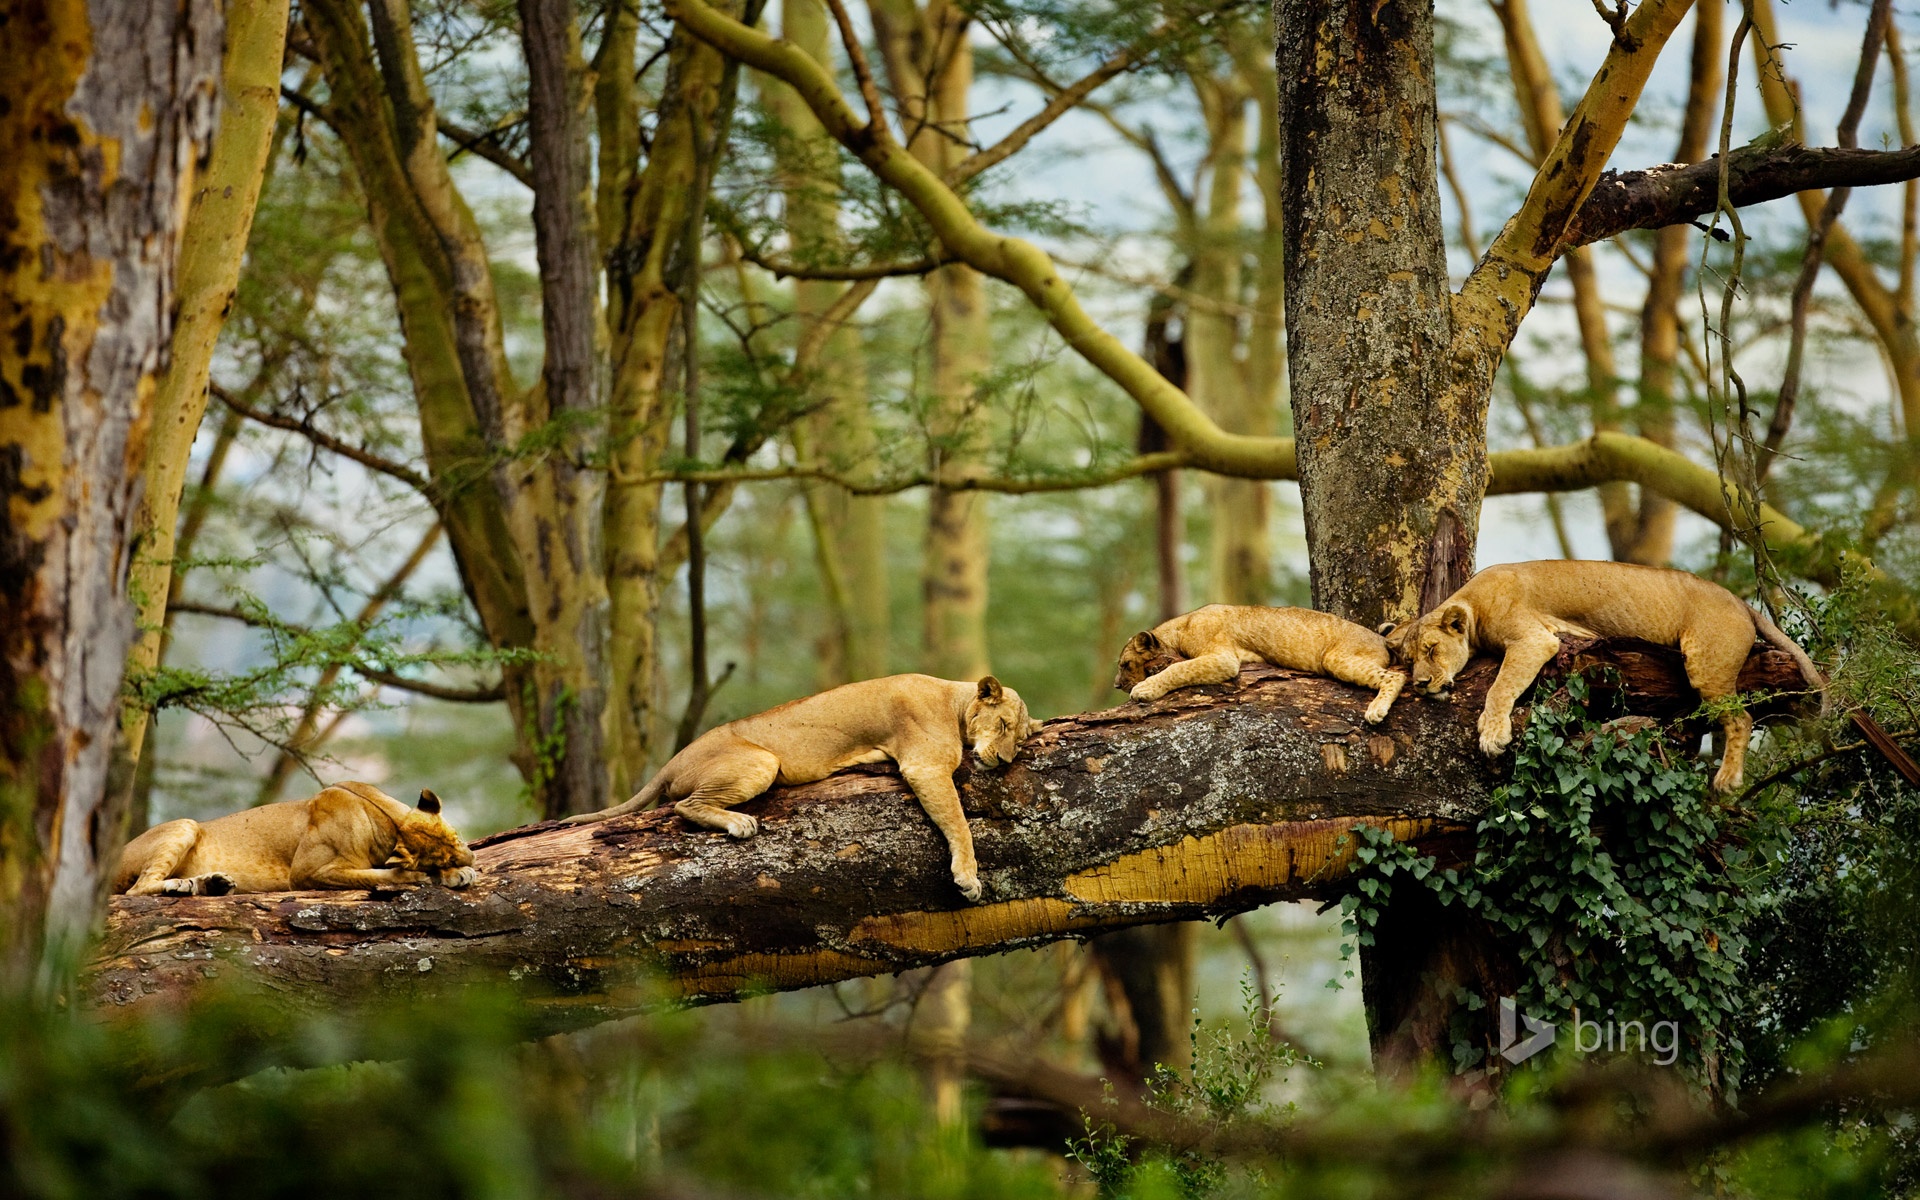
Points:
x=326, y=441
x=1062, y=102
x=1672, y=194
x=484, y=145
x=783, y=268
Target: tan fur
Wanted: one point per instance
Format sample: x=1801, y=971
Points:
x=926, y=725
x=341, y=838
x=1215, y=640
x=1522, y=609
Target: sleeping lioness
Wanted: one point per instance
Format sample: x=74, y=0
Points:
x=1523, y=608
x=1215, y=640
x=926, y=725
x=342, y=838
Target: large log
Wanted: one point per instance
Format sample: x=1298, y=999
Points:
x=1210, y=802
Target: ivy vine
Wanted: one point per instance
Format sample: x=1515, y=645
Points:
x=1600, y=865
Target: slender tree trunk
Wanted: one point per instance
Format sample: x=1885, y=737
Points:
x=1239, y=566
x=850, y=529
x=111, y=107
x=212, y=248
x=1652, y=542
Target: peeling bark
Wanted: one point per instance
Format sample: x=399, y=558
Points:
x=1211, y=802
x=109, y=108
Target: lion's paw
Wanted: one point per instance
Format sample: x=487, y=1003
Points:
x=1495, y=736
x=740, y=825
x=458, y=877
x=1146, y=692
x=176, y=887
x=969, y=886
x=1377, y=712
x=215, y=884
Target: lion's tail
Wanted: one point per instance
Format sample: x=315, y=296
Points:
x=1778, y=638
x=642, y=800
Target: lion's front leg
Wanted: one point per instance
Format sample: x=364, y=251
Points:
x=1518, y=670
x=932, y=785
x=1372, y=671
x=1217, y=667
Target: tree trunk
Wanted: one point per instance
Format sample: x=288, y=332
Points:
x=1392, y=373
x=849, y=529
x=1210, y=802
x=1239, y=561
x=211, y=250
x=1391, y=471
x=111, y=107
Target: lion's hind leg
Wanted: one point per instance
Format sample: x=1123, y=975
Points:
x=1370, y=671
x=164, y=848
x=731, y=777
x=1215, y=667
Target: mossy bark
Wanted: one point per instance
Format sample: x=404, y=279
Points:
x=110, y=109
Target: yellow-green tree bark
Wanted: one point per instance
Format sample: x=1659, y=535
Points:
x=211, y=251
x=110, y=108
x=930, y=63
x=849, y=529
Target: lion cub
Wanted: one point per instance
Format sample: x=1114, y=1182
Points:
x=1523, y=608
x=926, y=725
x=340, y=838
x=1215, y=640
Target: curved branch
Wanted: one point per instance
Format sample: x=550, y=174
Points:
x=1009, y=259
x=1062, y=102
x=1609, y=457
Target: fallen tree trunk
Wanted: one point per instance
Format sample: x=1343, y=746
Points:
x=1211, y=802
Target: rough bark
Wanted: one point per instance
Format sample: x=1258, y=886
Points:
x=110, y=108
x=1210, y=802
x=1391, y=470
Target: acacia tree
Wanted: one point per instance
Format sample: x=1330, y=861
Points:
x=105, y=123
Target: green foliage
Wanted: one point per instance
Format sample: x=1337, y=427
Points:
x=1228, y=1083
x=1601, y=866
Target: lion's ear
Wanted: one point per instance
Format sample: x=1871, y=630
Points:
x=1454, y=618
x=429, y=803
x=1386, y=628
x=990, y=689
x=1146, y=642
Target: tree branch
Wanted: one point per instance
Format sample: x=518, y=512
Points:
x=479, y=695
x=784, y=268
x=1061, y=103
x=1010, y=259
x=483, y=145
x=1210, y=802
x=1672, y=194
x=326, y=441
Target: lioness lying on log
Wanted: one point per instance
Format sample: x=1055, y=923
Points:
x=1215, y=640
x=1523, y=608
x=926, y=725
x=341, y=838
